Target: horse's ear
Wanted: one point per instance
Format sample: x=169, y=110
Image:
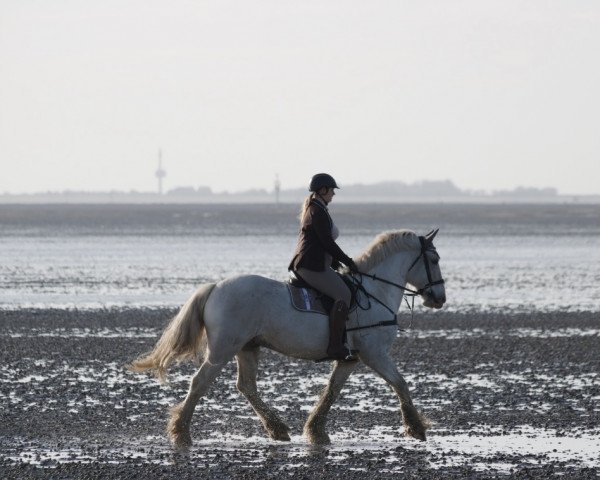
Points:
x=431, y=235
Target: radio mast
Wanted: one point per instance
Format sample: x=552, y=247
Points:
x=160, y=173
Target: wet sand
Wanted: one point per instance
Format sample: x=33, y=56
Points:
x=509, y=396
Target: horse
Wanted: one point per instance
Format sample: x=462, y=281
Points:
x=239, y=315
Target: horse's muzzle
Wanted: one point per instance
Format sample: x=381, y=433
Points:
x=430, y=300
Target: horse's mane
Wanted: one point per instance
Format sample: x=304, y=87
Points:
x=384, y=245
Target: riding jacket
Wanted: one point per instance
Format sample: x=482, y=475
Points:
x=315, y=240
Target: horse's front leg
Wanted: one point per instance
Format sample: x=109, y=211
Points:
x=415, y=424
x=314, y=428
x=247, y=361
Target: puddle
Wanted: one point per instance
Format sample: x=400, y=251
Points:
x=496, y=451
x=457, y=333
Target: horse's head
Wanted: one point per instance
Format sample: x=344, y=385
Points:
x=425, y=273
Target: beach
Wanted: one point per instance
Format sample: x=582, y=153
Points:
x=509, y=395
x=507, y=371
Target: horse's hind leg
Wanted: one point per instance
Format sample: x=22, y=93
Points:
x=247, y=361
x=178, y=427
x=415, y=424
x=314, y=428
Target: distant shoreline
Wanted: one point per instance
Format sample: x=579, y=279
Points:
x=124, y=199
x=383, y=192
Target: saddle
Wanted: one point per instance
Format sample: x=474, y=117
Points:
x=306, y=299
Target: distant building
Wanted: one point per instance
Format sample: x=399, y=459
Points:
x=277, y=188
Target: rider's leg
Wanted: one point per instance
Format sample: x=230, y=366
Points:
x=330, y=283
x=327, y=282
x=337, y=325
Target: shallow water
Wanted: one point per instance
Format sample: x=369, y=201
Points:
x=518, y=259
x=579, y=450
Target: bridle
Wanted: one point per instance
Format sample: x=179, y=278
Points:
x=426, y=246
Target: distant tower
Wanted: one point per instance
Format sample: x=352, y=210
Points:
x=160, y=173
x=277, y=188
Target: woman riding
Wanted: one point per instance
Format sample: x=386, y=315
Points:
x=315, y=255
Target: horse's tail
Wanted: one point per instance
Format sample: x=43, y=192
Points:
x=182, y=339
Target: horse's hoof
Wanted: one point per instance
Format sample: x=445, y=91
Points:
x=181, y=441
x=317, y=438
x=280, y=435
x=416, y=435
x=320, y=441
x=277, y=430
x=182, y=446
x=181, y=451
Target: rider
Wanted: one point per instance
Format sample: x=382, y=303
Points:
x=315, y=254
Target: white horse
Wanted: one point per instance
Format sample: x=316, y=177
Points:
x=237, y=316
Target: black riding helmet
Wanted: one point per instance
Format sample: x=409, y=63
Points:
x=321, y=180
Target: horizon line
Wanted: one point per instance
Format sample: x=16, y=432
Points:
x=424, y=186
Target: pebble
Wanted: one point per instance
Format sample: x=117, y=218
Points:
x=98, y=441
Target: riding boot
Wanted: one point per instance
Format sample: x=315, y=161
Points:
x=336, y=349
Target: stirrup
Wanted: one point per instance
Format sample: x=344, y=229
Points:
x=350, y=356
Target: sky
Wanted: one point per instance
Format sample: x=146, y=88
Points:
x=489, y=94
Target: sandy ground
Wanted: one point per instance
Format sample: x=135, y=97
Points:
x=509, y=396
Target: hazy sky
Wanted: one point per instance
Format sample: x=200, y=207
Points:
x=488, y=94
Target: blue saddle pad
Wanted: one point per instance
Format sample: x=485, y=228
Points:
x=309, y=300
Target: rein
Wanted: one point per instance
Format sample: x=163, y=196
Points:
x=383, y=323
x=411, y=293
x=397, y=285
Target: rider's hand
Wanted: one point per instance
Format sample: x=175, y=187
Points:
x=352, y=266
